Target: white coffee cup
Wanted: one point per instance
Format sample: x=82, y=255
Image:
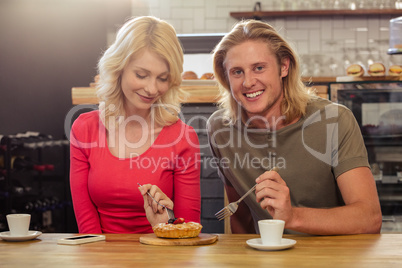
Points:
x=271, y=231
x=18, y=224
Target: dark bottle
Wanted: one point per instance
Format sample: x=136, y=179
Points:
x=29, y=139
x=20, y=163
x=55, y=202
x=46, y=204
x=49, y=167
x=10, y=142
x=38, y=205
x=3, y=185
x=38, y=140
x=29, y=207
x=2, y=163
x=3, y=142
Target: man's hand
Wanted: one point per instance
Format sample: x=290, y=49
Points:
x=273, y=195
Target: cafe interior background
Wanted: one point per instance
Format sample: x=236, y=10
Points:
x=48, y=55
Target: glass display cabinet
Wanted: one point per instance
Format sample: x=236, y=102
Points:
x=377, y=106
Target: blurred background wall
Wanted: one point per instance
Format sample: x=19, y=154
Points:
x=46, y=48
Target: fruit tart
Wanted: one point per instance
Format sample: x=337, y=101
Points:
x=177, y=228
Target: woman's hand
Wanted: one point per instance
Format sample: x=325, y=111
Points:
x=154, y=212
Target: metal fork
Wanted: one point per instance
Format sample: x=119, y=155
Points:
x=169, y=212
x=230, y=209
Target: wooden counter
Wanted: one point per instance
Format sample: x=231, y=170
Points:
x=125, y=250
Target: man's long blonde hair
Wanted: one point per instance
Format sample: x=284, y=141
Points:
x=296, y=95
x=133, y=37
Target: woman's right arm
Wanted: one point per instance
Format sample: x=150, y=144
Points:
x=85, y=211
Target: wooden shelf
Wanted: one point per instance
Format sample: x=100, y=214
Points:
x=198, y=92
x=368, y=78
x=300, y=13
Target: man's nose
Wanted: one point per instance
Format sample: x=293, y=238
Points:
x=249, y=80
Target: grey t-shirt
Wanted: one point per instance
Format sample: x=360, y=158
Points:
x=310, y=154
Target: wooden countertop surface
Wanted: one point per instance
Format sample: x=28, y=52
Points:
x=125, y=250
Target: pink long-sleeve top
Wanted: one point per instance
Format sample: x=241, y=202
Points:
x=104, y=187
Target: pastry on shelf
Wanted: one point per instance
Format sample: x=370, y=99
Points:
x=395, y=70
x=376, y=69
x=355, y=70
x=207, y=76
x=189, y=75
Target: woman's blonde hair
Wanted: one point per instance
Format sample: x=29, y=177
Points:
x=134, y=36
x=296, y=95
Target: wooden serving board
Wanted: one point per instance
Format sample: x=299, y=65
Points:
x=202, y=239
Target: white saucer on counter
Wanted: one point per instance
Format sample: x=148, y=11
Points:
x=31, y=235
x=257, y=244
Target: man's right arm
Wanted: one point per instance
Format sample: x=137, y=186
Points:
x=241, y=222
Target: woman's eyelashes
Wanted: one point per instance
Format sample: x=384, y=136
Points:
x=160, y=78
x=164, y=79
x=140, y=76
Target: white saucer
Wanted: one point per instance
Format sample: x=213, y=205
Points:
x=31, y=235
x=257, y=243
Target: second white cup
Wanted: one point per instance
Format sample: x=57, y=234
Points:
x=271, y=231
x=18, y=224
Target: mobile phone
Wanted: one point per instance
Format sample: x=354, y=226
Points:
x=80, y=239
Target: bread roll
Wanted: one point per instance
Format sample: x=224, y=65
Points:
x=207, y=76
x=355, y=70
x=395, y=70
x=376, y=69
x=189, y=75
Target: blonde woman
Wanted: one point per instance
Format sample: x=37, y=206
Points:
x=136, y=137
x=268, y=119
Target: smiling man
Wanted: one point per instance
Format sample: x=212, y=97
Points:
x=324, y=185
